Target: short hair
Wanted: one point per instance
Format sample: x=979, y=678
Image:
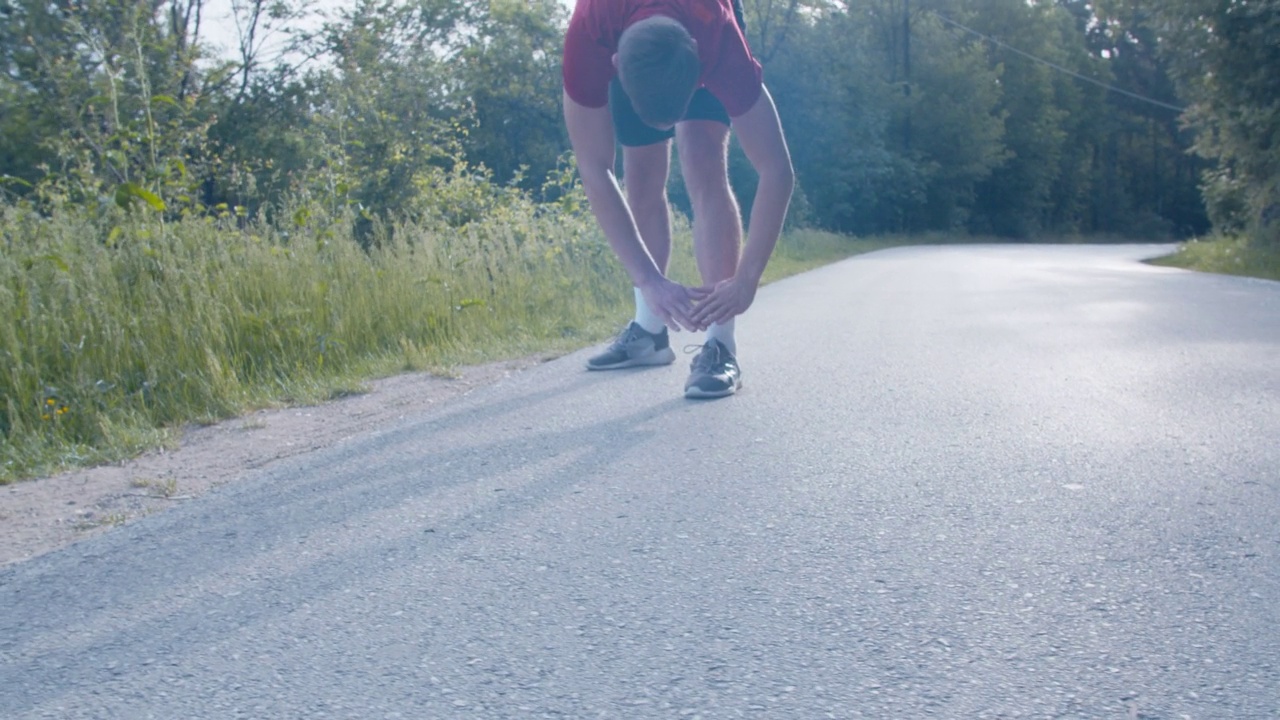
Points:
x=659, y=69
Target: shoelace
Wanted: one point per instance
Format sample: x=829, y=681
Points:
x=707, y=359
x=626, y=335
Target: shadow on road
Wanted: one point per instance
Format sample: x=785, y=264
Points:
x=300, y=532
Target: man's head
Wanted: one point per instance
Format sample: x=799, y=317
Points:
x=658, y=67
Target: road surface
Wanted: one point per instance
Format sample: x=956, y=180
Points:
x=960, y=482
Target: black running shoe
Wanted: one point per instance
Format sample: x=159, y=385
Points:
x=635, y=347
x=713, y=373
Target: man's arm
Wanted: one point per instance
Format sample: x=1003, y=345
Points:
x=759, y=132
x=591, y=135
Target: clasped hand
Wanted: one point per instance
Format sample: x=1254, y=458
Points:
x=696, y=308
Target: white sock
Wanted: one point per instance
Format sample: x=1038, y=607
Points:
x=645, y=317
x=724, y=333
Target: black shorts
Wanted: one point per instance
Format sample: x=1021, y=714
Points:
x=633, y=132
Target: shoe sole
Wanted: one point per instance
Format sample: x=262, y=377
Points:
x=665, y=356
x=698, y=394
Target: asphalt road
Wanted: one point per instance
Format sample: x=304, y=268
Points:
x=979, y=482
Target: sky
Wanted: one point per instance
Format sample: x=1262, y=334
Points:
x=219, y=28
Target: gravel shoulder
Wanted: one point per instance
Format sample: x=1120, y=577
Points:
x=42, y=515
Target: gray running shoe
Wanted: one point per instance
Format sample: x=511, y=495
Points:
x=713, y=373
x=635, y=347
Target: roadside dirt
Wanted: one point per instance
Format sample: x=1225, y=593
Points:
x=38, y=516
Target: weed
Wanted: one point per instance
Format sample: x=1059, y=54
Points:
x=156, y=488
x=92, y=522
x=1227, y=255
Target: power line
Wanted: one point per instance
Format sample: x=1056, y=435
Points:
x=1059, y=68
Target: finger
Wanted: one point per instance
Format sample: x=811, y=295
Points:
x=683, y=319
x=719, y=312
x=725, y=316
x=712, y=301
x=697, y=322
x=707, y=315
x=668, y=319
x=694, y=316
x=704, y=307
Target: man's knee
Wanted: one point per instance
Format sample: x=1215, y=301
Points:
x=645, y=174
x=704, y=160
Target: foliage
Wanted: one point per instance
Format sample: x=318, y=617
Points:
x=119, y=323
x=106, y=104
x=1228, y=63
x=112, y=97
x=984, y=115
x=1016, y=199
x=959, y=142
x=511, y=82
x=1226, y=254
x=853, y=182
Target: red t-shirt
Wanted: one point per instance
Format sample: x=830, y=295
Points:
x=728, y=70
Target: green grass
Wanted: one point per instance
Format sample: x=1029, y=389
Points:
x=802, y=250
x=1227, y=255
x=116, y=331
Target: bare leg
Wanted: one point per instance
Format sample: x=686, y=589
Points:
x=717, y=221
x=645, y=172
x=717, y=224
x=645, y=176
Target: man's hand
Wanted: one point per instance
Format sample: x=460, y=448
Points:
x=728, y=299
x=674, y=303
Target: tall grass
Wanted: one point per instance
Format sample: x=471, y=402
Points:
x=1227, y=255
x=116, y=330
x=109, y=333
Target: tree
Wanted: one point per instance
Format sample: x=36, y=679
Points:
x=956, y=124
x=1147, y=178
x=385, y=118
x=103, y=97
x=1016, y=199
x=509, y=79
x=836, y=111
x=1227, y=60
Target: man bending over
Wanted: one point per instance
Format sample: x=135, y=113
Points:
x=647, y=71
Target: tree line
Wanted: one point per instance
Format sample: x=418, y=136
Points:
x=1016, y=118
